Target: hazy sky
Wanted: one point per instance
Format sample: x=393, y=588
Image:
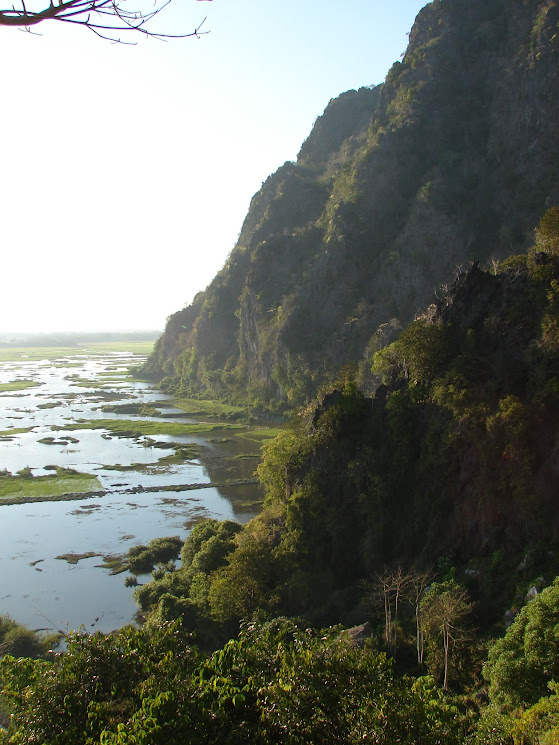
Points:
x=126, y=172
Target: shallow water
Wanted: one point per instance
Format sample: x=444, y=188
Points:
x=44, y=592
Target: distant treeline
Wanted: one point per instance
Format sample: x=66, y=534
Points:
x=72, y=339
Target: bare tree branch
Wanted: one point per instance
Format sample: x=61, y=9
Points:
x=105, y=18
x=390, y=586
x=446, y=608
x=419, y=580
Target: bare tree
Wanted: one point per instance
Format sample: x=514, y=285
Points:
x=393, y=584
x=109, y=19
x=418, y=582
x=387, y=590
x=446, y=608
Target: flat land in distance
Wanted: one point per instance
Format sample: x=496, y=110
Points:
x=17, y=354
x=104, y=347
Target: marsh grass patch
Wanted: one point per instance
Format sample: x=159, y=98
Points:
x=110, y=347
x=133, y=409
x=115, y=563
x=139, y=428
x=209, y=407
x=73, y=558
x=23, y=486
x=35, y=354
x=9, y=434
x=60, y=441
x=86, y=509
x=18, y=385
x=260, y=434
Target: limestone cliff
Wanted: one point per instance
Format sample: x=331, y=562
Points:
x=455, y=157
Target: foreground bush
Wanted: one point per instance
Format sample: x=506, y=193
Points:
x=274, y=684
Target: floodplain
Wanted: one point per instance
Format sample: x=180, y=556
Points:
x=93, y=462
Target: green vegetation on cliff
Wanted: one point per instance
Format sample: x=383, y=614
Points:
x=453, y=457
x=427, y=510
x=453, y=158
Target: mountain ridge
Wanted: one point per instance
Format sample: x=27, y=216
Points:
x=453, y=158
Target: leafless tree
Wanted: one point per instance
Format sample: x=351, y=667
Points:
x=418, y=582
x=387, y=589
x=446, y=608
x=392, y=583
x=109, y=19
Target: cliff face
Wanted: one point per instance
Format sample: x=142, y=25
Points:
x=454, y=157
x=457, y=453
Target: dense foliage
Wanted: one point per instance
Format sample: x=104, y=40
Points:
x=521, y=671
x=20, y=641
x=274, y=684
x=142, y=559
x=523, y=664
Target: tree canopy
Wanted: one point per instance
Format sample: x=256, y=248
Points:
x=277, y=683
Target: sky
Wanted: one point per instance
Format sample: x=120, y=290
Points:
x=127, y=171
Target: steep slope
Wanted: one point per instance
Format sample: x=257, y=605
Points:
x=456, y=455
x=454, y=157
x=454, y=461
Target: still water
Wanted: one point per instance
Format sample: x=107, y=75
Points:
x=44, y=592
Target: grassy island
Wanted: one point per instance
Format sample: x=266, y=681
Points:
x=24, y=487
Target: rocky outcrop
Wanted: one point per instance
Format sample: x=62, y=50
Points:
x=459, y=461
x=357, y=636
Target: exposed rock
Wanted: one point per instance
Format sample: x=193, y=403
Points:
x=535, y=589
x=358, y=635
x=472, y=573
x=510, y=615
x=329, y=400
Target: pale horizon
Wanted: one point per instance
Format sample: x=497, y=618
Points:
x=128, y=171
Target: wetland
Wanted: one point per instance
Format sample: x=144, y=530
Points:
x=93, y=463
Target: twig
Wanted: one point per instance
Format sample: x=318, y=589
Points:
x=84, y=13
